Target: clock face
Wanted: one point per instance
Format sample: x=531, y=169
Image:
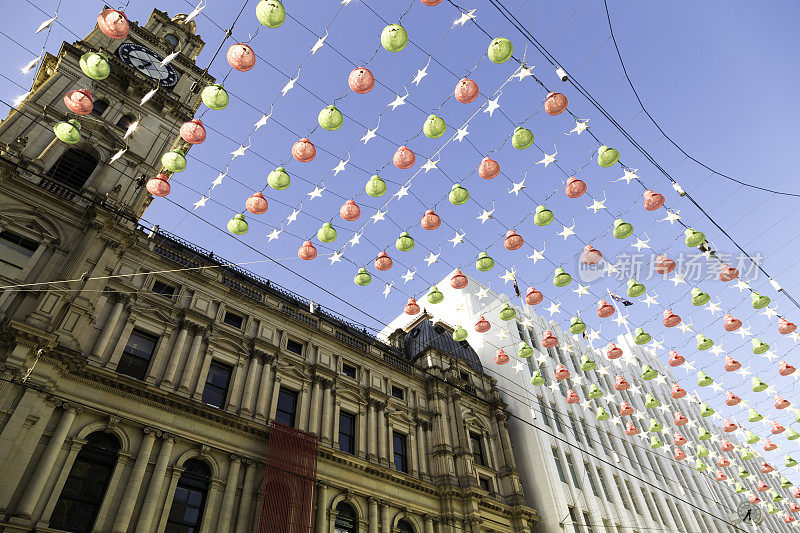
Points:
x=148, y=62
x=749, y=513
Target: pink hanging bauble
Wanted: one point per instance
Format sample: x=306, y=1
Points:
x=726, y=445
x=631, y=430
x=513, y=240
x=676, y=359
x=466, y=91
x=501, y=357
x=664, y=265
x=79, y=101
x=730, y=323
x=754, y=499
x=193, y=131
x=679, y=455
x=797, y=493
x=769, y=445
x=304, y=151
x=621, y=384
x=780, y=402
x=678, y=440
x=723, y=462
x=489, y=168
x=555, y=104
x=731, y=364
x=785, y=369
x=787, y=518
x=431, y=2
x=349, y=211
x=572, y=397
x=766, y=468
x=430, y=220
x=677, y=391
x=361, y=80
x=671, y=319
x=728, y=426
x=561, y=372
x=575, y=187
x=721, y=476
x=625, y=409
x=793, y=507
x=591, y=256
x=604, y=309
x=383, y=262
x=307, y=251
x=680, y=419
x=777, y=429
x=549, y=340
x=412, y=307
x=613, y=351
x=653, y=200
x=785, y=327
x=158, y=186
x=257, y=204
x=459, y=281
x=533, y=297
x=482, y=325
x=241, y=57
x=404, y=158
x=113, y=23
x=727, y=273
x=731, y=399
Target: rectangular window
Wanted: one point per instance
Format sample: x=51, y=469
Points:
x=633, y=498
x=485, y=484
x=15, y=251
x=400, y=459
x=287, y=406
x=348, y=370
x=603, y=484
x=556, y=418
x=477, y=450
x=347, y=432
x=587, y=522
x=216, y=389
x=543, y=409
x=573, y=517
x=136, y=356
x=232, y=319
x=589, y=475
x=575, y=430
x=294, y=347
x=625, y=503
x=572, y=471
x=162, y=289
x=465, y=376
x=559, y=468
x=586, y=435
x=398, y=392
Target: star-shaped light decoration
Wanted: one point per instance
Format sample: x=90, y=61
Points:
x=628, y=359
x=547, y=159
x=596, y=205
x=716, y=387
x=387, y=289
x=553, y=308
x=457, y=239
x=580, y=127
x=429, y=165
x=289, y=85
x=201, y=202
x=501, y=333
x=316, y=193
x=291, y=218
x=593, y=335
x=409, y=275
x=274, y=234
x=741, y=285
x=518, y=366
x=461, y=133
x=320, y=42
x=537, y=255
x=465, y=16
x=650, y=300
x=541, y=358
x=689, y=366
x=661, y=380
x=508, y=276
x=717, y=349
x=602, y=370
x=640, y=244
x=685, y=327
x=553, y=387
x=770, y=355
x=432, y=258
x=486, y=215
x=218, y=180
x=336, y=257
x=582, y=290
x=30, y=65
x=239, y=151
x=713, y=308
x=769, y=312
x=421, y=73
x=402, y=191
x=630, y=174
x=517, y=188
x=482, y=293
x=744, y=332
x=369, y=135
x=492, y=105
x=678, y=278
x=262, y=121
x=577, y=380
x=378, y=216
x=656, y=345
x=567, y=231
x=523, y=72
x=355, y=239
x=340, y=166
x=398, y=101
x=795, y=336
x=620, y=320
x=46, y=24
x=671, y=217
x=586, y=404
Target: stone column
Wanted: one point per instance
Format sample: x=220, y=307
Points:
x=203, y=376
x=337, y=409
x=30, y=497
x=361, y=449
x=421, y=449
x=380, y=406
x=108, y=329
x=156, y=481
x=385, y=518
x=303, y=407
x=191, y=360
x=428, y=524
x=390, y=440
x=505, y=440
x=373, y=515
x=276, y=388
x=253, y=371
x=243, y=519
x=443, y=425
x=412, y=451
x=175, y=356
x=175, y=475
x=155, y=363
x=116, y=354
x=238, y=375
x=134, y=484
x=327, y=408
x=75, y=446
x=313, y=419
x=372, y=427
x=213, y=493
x=321, y=525
x=123, y=460
x=264, y=388
x=225, y=512
x=461, y=431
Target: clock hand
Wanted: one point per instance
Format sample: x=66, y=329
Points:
x=747, y=515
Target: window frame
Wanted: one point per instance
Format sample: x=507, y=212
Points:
x=402, y=454
x=559, y=467
x=477, y=455
x=298, y=343
x=104, y=108
x=234, y=315
x=76, y=167
x=293, y=414
x=168, y=295
x=190, y=482
x=398, y=389
x=22, y=245
x=345, y=373
x=222, y=366
x=130, y=359
x=572, y=471
x=351, y=437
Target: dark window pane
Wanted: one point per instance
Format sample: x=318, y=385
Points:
x=398, y=392
x=163, y=289
x=186, y=513
x=99, y=107
x=399, y=444
x=477, y=450
x=216, y=388
x=232, y=319
x=349, y=371
x=136, y=357
x=73, y=168
x=294, y=347
x=287, y=404
x=346, y=432
x=15, y=251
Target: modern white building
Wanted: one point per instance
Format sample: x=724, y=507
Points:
x=585, y=475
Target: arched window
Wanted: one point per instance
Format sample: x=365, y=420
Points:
x=82, y=495
x=404, y=527
x=172, y=40
x=99, y=107
x=73, y=168
x=186, y=513
x=125, y=121
x=346, y=519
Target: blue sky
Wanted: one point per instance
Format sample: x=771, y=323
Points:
x=717, y=76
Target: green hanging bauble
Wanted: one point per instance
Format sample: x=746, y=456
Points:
x=459, y=334
x=279, y=179
x=694, y=238
x=576, y=326
x=237, y=225
x=706, y=410
x=561, y=278
x=434, y=127
x=759, y=385
x=648, y=373
x=435, y=296
x=458, y=195
x=790, y=462
x=375, y=187
x=270, y=13
x=754, y=416
x=522, y=138
x=536, y=378
x=507, y=312
x=651, y=402
x=746, y=454
x=703, y=379
x=404, y=242
x=601, y=414
x=655, y=426
x=174, y=161
x=759, y=301
x=743, y=473
x=785, y=483
x=792, y=434
x=635, y=289
x=777, y=498
x=484, y=262
x=215, y=97
x=700, y=466
x=587, y=364
x=750, y=437
x=95, y=65
x=607, y=157
x=738, y=488
x=703, y=342
x=759, y=346
x=771, y=509
x=595, y=392
x=655, y=443
x=363, y=277
x=702, y=451
x=622, y=229
x=394, y=37
x=640, y=336
x=500, y=50
x=543, y=216
x=330, y=118
x=524, y=351
x=327, y=233
x=699, y=297
x=68, y=131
